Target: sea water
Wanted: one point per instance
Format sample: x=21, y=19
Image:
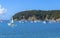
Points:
x=29, y=30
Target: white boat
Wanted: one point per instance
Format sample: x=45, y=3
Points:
x=44, y=22
x=35, y=21
x=11, y=23
x=20, y=21
x=38, y=21
x=31, y=21
x=52, y=21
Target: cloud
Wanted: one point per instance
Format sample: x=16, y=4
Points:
x=2, y=10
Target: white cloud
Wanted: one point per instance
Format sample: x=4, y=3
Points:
x=2, y=10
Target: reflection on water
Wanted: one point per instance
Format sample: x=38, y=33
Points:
x=29, y=30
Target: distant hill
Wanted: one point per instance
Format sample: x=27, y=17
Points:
x=37, y=15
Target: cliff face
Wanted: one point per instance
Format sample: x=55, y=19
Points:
x=37, y=15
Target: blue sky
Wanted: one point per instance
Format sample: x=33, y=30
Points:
x=14, y=6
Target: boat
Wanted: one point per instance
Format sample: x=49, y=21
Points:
x=44, y=22
x=11, y=23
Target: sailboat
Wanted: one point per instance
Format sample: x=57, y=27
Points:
x=11, y=23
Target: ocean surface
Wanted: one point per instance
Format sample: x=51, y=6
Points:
x=29, y=30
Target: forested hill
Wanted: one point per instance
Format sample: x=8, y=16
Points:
x=37, y=15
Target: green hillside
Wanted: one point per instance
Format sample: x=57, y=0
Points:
x=37, y=15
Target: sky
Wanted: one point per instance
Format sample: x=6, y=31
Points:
x=10, y=7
